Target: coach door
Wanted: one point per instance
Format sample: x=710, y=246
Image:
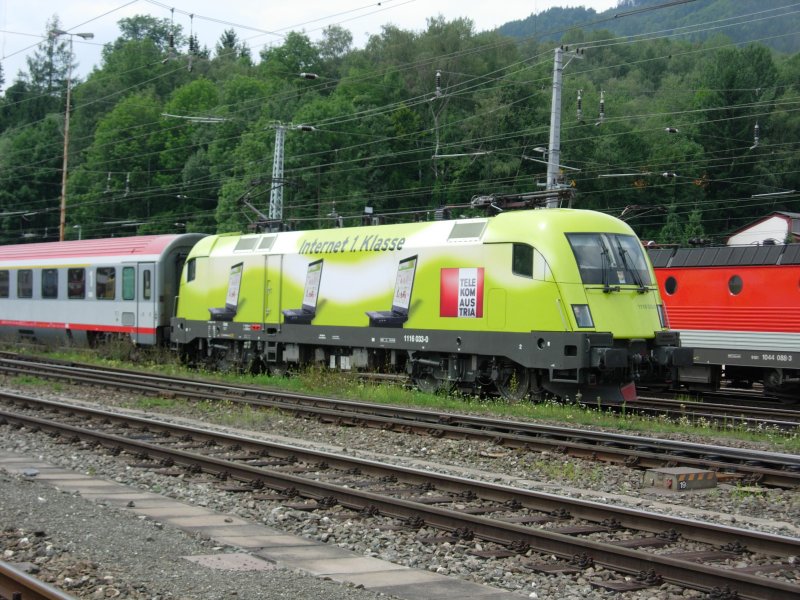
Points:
x=146, y=307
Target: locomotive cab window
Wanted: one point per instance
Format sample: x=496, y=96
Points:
x=25, y=283
x=76, y=284
x=522, y=260
x=49, y=283
x=610, y=259
x=4, y=284
x=106, y=283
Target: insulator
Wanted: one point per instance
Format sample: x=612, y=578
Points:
x=309, y=75
x=602, y=105
x=580, y=106
x=172, y=41
x=671, y=129
x=438, y=84
x=756, y=131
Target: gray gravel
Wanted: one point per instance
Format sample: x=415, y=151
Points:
x=93, y=550
x=768, y=510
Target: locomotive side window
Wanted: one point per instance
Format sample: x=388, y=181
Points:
x=671, y=285
x=191, y=269
x=76, y=284
x=106, y=283
x=522, y=260
x=147, y=289
x=24, y=283
x=49, y=283
x=4, y=284
x=128, y=283
x=735, y=285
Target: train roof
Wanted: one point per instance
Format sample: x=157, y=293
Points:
x=134, y=246
x=725, y=256
x=544, y=226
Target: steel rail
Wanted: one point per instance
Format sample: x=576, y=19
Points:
x=684, y=573
x=717, y=412
x=18, y=585
x=583, y=509
x=769, y=468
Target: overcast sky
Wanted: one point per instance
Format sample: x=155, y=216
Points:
x=259, y=22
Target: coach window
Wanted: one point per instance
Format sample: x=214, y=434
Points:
x=106, y=283
x=522, y=260
x=76, y=284
x=49, y=283
x=735, y=285
x=128, y=283
x=24, y=283
x=4, y=284
x=147, y=289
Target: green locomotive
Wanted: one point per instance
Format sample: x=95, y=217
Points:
x=560, y=301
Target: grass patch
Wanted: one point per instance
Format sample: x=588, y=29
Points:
x=41, y=382
x=156, y=403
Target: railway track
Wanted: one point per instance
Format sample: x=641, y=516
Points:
x=439, y=508
x=721, y=411
x=766, y=468
x=18, y=585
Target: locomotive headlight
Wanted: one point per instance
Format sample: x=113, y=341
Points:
x=583, y=316
x=662, y=316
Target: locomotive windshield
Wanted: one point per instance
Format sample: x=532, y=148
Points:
x=610, y=259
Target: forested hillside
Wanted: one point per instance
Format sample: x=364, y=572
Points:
x=770, y=22
x=171, y=136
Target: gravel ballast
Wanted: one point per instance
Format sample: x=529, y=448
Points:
x=83, y=529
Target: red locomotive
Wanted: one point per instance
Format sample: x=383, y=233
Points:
x=738, y=307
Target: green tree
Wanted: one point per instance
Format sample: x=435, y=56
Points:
x=116, y=186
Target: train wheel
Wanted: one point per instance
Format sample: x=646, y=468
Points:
x=536, y=391
x=428, y=384
x=513, y=382
x=278, y=369
x=773, y=379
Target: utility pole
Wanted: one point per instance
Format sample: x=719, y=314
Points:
x=63, y=216
x=554, y=150
x=276, y=191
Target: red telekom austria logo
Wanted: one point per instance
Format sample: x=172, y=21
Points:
x=461, y=293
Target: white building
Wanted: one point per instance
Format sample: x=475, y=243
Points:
x=776, y=228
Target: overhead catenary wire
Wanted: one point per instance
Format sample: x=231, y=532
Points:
x=334, y=163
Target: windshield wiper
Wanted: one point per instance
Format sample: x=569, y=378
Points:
x=637, y=278
x=607, y=289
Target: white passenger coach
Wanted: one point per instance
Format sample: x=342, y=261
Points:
x=87, y=291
